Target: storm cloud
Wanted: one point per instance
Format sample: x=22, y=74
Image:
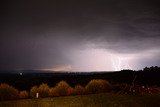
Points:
x=45, y=34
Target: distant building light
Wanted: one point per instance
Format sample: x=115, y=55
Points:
x=20, y=73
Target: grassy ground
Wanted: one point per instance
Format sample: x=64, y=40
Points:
x=96, y=100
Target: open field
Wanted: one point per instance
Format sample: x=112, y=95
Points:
x=95, y=100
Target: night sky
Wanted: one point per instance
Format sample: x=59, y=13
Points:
x=79, y=35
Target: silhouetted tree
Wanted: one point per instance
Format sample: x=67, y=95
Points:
x=23, y=94
x=98, y=86
x=8, y=92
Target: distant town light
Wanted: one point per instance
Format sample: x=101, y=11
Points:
x=20, y=73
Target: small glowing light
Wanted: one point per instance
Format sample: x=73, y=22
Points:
x=20, y=73
x=37, y=95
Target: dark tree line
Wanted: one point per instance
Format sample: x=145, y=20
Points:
x=149, y=76
x=152, y=69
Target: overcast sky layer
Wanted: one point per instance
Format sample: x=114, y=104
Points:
x=79, y=35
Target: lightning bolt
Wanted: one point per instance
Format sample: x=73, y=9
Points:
x=127, y=65
x=116, y=62
x=119, y=63
x=113, y=64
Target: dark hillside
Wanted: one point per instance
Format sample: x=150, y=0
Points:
x=147, y=76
